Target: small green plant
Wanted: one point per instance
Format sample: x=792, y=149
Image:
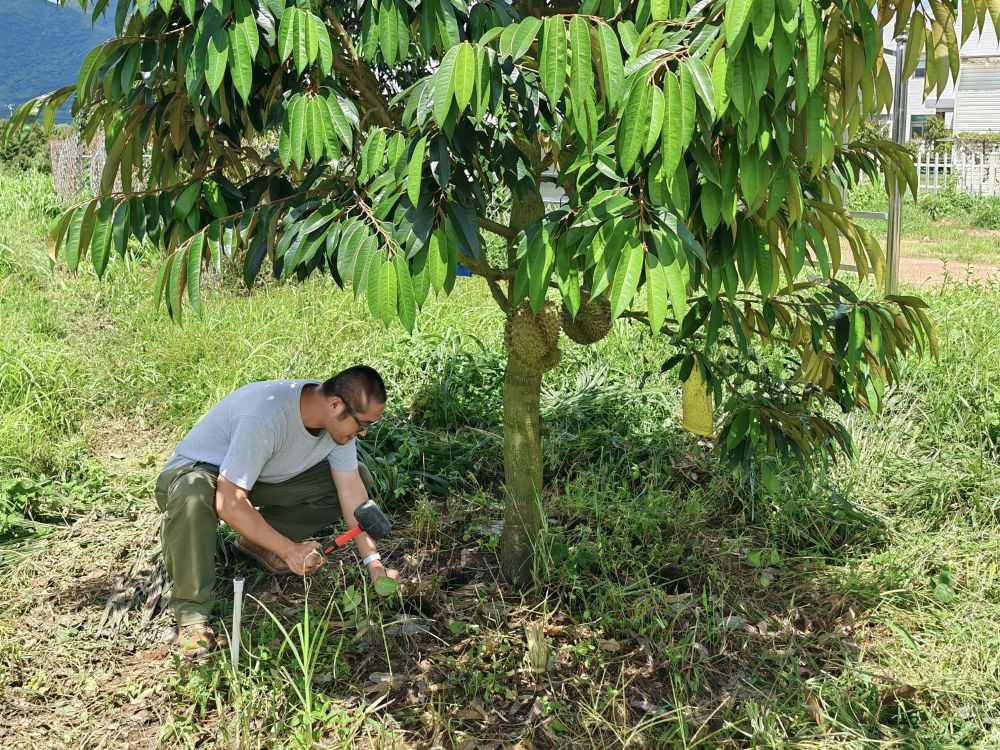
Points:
x=305, y=641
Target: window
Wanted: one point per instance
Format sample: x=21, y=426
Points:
x=918, y=123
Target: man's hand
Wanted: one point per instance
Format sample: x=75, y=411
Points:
x=303, y=558
x=376, y=570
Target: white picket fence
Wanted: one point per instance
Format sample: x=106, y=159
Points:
x=970, y=167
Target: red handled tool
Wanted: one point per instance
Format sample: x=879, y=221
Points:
x=371, y=520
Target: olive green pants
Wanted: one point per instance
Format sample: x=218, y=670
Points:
x=298, y=508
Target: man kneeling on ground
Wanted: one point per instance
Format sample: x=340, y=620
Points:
x=277, y=461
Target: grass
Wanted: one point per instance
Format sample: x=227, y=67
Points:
x=680, y=605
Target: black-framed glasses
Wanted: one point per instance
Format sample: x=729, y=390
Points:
x=362, y=426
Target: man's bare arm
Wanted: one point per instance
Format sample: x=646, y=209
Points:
x=232, y=505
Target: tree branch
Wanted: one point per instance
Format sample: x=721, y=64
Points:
x=365, y=82
x=501, y=230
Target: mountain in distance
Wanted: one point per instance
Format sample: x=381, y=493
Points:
x=42, y=47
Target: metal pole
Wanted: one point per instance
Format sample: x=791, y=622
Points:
x=895, y=201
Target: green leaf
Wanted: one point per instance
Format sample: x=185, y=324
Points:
x=414, y=171
x=288, y=33
x=627, y=275
x=338, y=118
x=656, y=292
x=815, y=50
x=581, y=75
x=737, y=19
x=317, y=114
x=394, y=150
x=524, y=35
x=373, y=288
x=162, y=277
x=711, y=204
x=464, y=75
x=307, y=42
x=765, y=269
x=857, y=341
x=185, y=202
x=78, y=235
x=387, y=294
x=703, y=84
x=372, y=154
x=352, y=239
x=218, y=59
x=194, y=261
x=672, y=118
x=120, y=230
x=385, y=586
x=175, y=286
x=253, y=260
x=688, y=106
x=444, y=86
x=437, y=259
x=539, y=264
x=388, y=36
x=657, y=105
x=763, y=22
x=552, y=64
x=633, y=125
x=720, y=77
x=324, y=46
x=483, y=94
x=100, y=244
x=297, y=129
x=243, y=42
x=213, y=199
x=914, y=45
x=404, y=285
x=612, y=67
x=668, y=249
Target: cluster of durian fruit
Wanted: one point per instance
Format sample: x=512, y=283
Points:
x=533, y=343
x=533, y=340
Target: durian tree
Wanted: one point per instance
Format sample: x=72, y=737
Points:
x=703, y=148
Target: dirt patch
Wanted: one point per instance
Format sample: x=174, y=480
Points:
x=61, y=684
x=66, y=682
x=928, y=272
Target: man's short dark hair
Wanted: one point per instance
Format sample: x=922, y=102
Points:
x=360, y=386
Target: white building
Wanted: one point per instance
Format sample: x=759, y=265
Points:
x=972, y=105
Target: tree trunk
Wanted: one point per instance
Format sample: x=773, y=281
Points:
x=522, y=443
x=522, y=458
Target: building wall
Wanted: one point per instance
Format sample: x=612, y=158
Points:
x=977, y=99
x=982, y=45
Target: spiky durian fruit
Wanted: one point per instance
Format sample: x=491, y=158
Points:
x=593, y=321
x=533, y=340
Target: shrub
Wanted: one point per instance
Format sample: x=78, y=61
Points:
x=947, y=203
x=32, y=153
x=986, y=212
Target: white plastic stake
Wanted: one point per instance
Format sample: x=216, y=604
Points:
x=234, y=642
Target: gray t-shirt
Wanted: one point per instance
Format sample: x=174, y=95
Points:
x=256, y=433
